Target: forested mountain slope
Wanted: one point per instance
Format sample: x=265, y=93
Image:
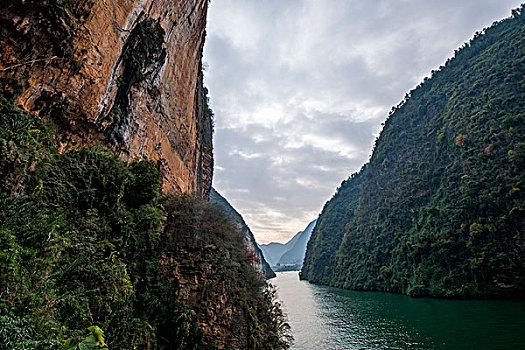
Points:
x=88, y=240
x=441, y=207
x=249, y=240
x=329, y=230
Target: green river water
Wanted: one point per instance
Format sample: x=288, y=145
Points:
x=331, y=318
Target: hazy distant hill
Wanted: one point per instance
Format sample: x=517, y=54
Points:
x=290, y=255
x=273, y=251
x=295, y=255
x=440, y=208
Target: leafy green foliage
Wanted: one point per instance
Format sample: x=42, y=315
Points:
x=93, y=341
x=203, y=238
x=440, y=209
x=79, y=237
x=81, y=244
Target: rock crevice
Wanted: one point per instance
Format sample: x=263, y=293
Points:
x=125, y=73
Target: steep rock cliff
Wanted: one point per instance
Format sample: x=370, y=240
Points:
x=87, y=239
x=126, y=73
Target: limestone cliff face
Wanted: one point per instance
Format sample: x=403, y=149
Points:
x=123, y=72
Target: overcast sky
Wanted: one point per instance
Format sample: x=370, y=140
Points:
x=300, y=89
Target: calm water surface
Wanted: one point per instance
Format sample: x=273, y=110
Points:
x=330, y=318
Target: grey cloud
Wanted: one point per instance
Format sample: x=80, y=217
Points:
x=300, y=87
x=273, y=185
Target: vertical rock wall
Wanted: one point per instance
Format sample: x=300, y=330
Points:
x=126, y=73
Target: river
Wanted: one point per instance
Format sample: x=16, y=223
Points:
x=325, y=318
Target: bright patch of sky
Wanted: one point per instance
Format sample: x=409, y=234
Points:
x=300, y=88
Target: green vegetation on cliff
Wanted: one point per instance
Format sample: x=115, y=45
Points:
x=86, y=240
x=329, y=231
x=249, y=239
x=441, y=207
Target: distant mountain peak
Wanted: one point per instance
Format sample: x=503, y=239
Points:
x=290, y=255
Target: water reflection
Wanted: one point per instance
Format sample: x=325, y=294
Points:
x=330, y=318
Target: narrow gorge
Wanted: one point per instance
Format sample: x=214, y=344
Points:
x=121, y=190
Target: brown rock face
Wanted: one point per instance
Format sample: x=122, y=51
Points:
x=123, y=72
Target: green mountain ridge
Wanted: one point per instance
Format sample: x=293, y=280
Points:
x=439, y=210
x=250, y=242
